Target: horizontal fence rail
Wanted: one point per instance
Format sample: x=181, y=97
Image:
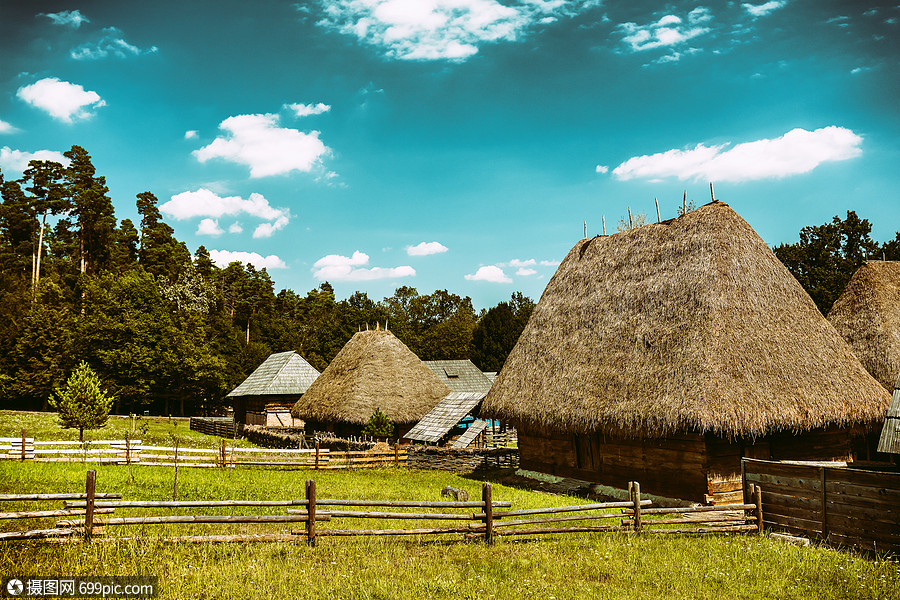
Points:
x=91, y=514
x=135, y=452
x=839, y=505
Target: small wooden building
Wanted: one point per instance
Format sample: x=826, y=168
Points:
x=269, y=392
x=373, y=370
x=460, y=375
x=666, y=353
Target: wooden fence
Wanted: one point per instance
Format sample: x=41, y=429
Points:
x=134, y=452
x=473, y=519
x=839, y=505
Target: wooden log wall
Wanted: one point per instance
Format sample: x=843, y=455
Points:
x=217, y=426
x=840, y=505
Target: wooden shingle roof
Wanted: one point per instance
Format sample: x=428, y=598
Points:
x=282, y=374
x=890, y=434
x=443, y=417
x=466, y=439
x=460, y=375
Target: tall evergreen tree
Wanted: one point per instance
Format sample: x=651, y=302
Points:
x=92, y=210
x=158, y=251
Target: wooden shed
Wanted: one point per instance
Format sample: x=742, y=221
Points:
x=373, y=370
x=269, y=392
x=666, y=353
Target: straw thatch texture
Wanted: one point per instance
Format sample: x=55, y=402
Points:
x=867, y=315
x=373, y=370
x=281, y=374
x=687, y=325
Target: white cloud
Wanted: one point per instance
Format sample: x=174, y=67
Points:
x=7, y=127
x=16, y=161
x=71, y=18
x=335, y=267
x=209, y=227
x=797, y=151
x=517, y=263
x=191, y=134
x=668, y=31
x=761, y=10
x=602, y=169
x=222, y=258
x=111, y=43
x=60, y=99
x=489, y=273
x=549, y=263
x=204, y=203
x=306, y=110
x=523, y=272
x=426, y=248
x=442, y=29
x=258, y=142
x=235, y=228
x=265, y=230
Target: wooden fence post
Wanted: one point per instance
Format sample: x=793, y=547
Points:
x=23, y=444
x=486, y=497
x=224, y=456
x=311, y=512
x=396, y=454
x=824, y=498
x=317, y=455
x=636, y=498
x=90, y=488
x=757, y=494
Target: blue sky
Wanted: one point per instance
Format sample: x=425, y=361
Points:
x=456, y=144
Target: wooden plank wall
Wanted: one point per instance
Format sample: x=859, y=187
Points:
x=840, y=505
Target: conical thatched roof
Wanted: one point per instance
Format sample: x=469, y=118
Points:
x=373, y=370
x=282, y=374
x=867, y=315
x=687, y=325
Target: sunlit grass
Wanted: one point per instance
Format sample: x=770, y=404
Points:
x=601, y=566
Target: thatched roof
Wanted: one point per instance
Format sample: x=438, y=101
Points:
x=373, y=370
x=282, y=374
x=687, y=325
x=460, y=375
x=889, y=442
x=867, y=315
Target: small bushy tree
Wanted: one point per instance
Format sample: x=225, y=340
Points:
x=82, y=403
x=379, y=425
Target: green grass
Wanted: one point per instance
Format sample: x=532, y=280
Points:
x=551, y=567
x=155, y=431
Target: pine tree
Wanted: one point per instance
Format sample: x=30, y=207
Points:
x=379, y=426
x=82, y=403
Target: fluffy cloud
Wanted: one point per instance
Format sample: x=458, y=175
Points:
x=797, y=151
x=264, y=230
x=235, y=228
x=670, y=30
x=258, y=142
x=335, y=267
x=60, y=99
x=191, y=134
x=111, y=43
x=426, y=248
x=205, y=203
x=7, y=128
x=70, y=18
x=761, y=10
x=489, y=273
x=222, y=258
x=523, y=272
x=209, y=227
x=16, y=161
x=442, y=29
x=306, y=110
x=517, y=263
x=602, y=169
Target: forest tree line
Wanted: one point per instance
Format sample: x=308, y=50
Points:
x=168, y=330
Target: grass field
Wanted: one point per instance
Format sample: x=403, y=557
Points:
x=610, y=565
x=156, y=431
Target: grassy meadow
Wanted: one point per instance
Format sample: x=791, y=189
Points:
x=552, y=567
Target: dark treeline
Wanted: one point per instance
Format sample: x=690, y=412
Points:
x=171, y=332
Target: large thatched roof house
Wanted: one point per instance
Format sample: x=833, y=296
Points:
x=373, y=370
x=867, y=315
x=665, y=353
x=269, y=392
